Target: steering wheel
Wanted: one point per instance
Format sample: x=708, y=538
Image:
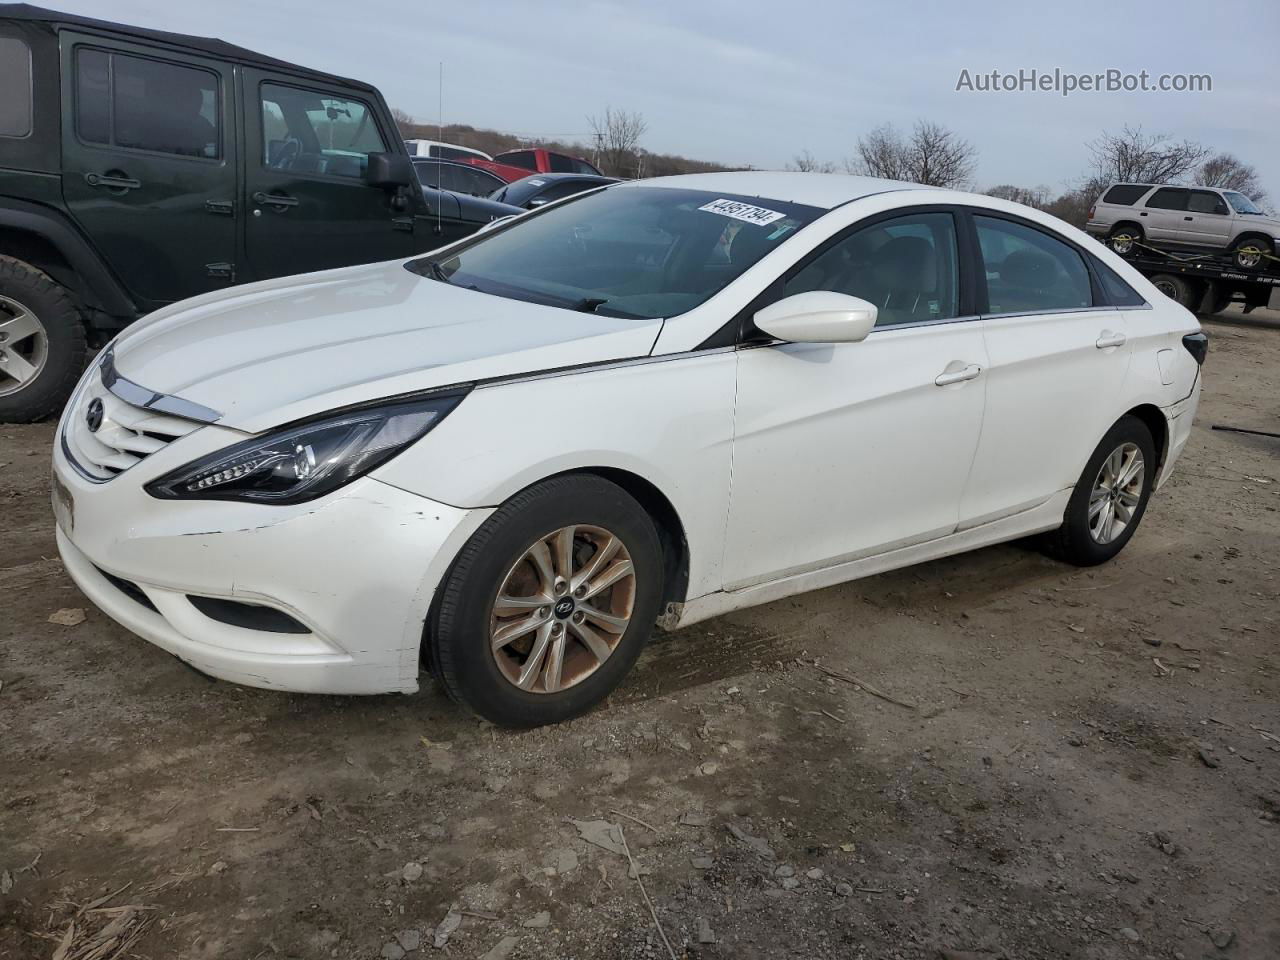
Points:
x=290, y=152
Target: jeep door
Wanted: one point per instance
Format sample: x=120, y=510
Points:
x=1208, y=221
x=1163, y=217
x=309, y=207
x=148, y=172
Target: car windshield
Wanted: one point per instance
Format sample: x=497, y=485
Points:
x=641, y=252
x=1241, y=203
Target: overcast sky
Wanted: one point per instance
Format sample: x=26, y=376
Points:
x=747, y=82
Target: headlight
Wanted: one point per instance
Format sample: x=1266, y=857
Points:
x=307, y=460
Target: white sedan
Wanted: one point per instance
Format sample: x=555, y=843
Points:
x=659, y=401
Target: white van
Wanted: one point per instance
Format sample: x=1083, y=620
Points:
x=443, y=151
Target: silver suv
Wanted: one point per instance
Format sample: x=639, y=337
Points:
x=1208, y=218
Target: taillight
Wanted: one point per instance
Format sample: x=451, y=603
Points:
x=1197, y=345
x=1092, y=210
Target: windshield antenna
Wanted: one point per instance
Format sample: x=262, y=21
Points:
x=440, y=159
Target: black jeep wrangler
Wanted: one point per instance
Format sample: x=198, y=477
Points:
x=138, y=168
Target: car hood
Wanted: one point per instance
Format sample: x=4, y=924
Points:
x=273, y=352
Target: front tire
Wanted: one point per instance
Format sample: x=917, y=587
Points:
x=549, y=603
x=42, y=343
x=1251, y=253
x=1110, y=497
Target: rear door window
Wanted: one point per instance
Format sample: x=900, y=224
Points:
x=15, y=81
x=142, y=104
x=310, y=132
x=1125, y=194
x=1168, y=198
x=560, y=163
x=519, y=158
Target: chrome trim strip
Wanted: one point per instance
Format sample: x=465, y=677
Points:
x=75, y=464
x=139, y=396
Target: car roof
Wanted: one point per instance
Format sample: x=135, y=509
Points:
x=209, y=46
x=824, y=190
x=554, y=177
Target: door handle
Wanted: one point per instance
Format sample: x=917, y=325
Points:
x=1143, y=213
x=971, y=372
x=111, y=183
x=274, y=199
x=1188, y=218
x=1109, y=338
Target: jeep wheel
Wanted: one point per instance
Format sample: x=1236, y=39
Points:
x=42, y=343
x=1251, y=253
x=1124, y=238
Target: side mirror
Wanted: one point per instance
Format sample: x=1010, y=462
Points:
x=389, y=171
x=819, y=316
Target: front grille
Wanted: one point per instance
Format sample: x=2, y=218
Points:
x=127, y=434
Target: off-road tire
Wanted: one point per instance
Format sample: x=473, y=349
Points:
x=64, y=328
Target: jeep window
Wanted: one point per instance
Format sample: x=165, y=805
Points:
x=1241, y=203
x=142, y=104
x=1125, y=194
x=15, y=81
x=1168, y=198
x=1205, y=201
x=307, y=132
x=559, y=163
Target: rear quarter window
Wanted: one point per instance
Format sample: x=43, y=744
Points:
x=15, y=81
x=1118, y=293
x=1124, y=194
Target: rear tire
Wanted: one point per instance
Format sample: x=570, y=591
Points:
x=1124, y=237
x=501, y=560
x=1186, y=292
x=1250, y=253
x=42, y=352
x=1116, y=483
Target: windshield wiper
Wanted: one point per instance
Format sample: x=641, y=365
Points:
x=589, y=304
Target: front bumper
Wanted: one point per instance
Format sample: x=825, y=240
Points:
x=356, y=570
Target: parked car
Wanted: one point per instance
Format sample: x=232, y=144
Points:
x=544, y=188
x=443, y=151
x=515, y=164
x=128, y=183
x=457, y=177
x=505, y=460
x=1204, y=218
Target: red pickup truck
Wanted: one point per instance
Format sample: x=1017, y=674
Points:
x=515, y=164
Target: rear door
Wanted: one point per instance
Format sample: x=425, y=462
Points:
x=149, y=150
x=1207, y=222
x=1058, y=359
x=306, y=149
x=1162, y=219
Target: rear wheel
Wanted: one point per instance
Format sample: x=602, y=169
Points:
x=1124, y=237
x=1250, y=253
x=1189, y=293
x=549, y=604
x=1110, y=497
x=42, y=343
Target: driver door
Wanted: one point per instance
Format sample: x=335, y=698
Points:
x=847, y=450
x=309, y=207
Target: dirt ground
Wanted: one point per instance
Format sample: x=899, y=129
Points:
x=1074, y=763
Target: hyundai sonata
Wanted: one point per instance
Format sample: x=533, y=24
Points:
x=658, y=401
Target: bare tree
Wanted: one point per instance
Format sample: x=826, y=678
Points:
x=806, y=162
x=1227, y=171
x=1136, y=157
x=617, y=139
x=933, y=155
x=1038, y=197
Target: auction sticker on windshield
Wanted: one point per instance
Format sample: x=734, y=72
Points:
x=742, y=211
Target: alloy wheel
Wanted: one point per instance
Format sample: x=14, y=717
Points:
x=1122, y=243
x=562, y=609
x=1117, y=492
x=24, y=346
x=1249, y=257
